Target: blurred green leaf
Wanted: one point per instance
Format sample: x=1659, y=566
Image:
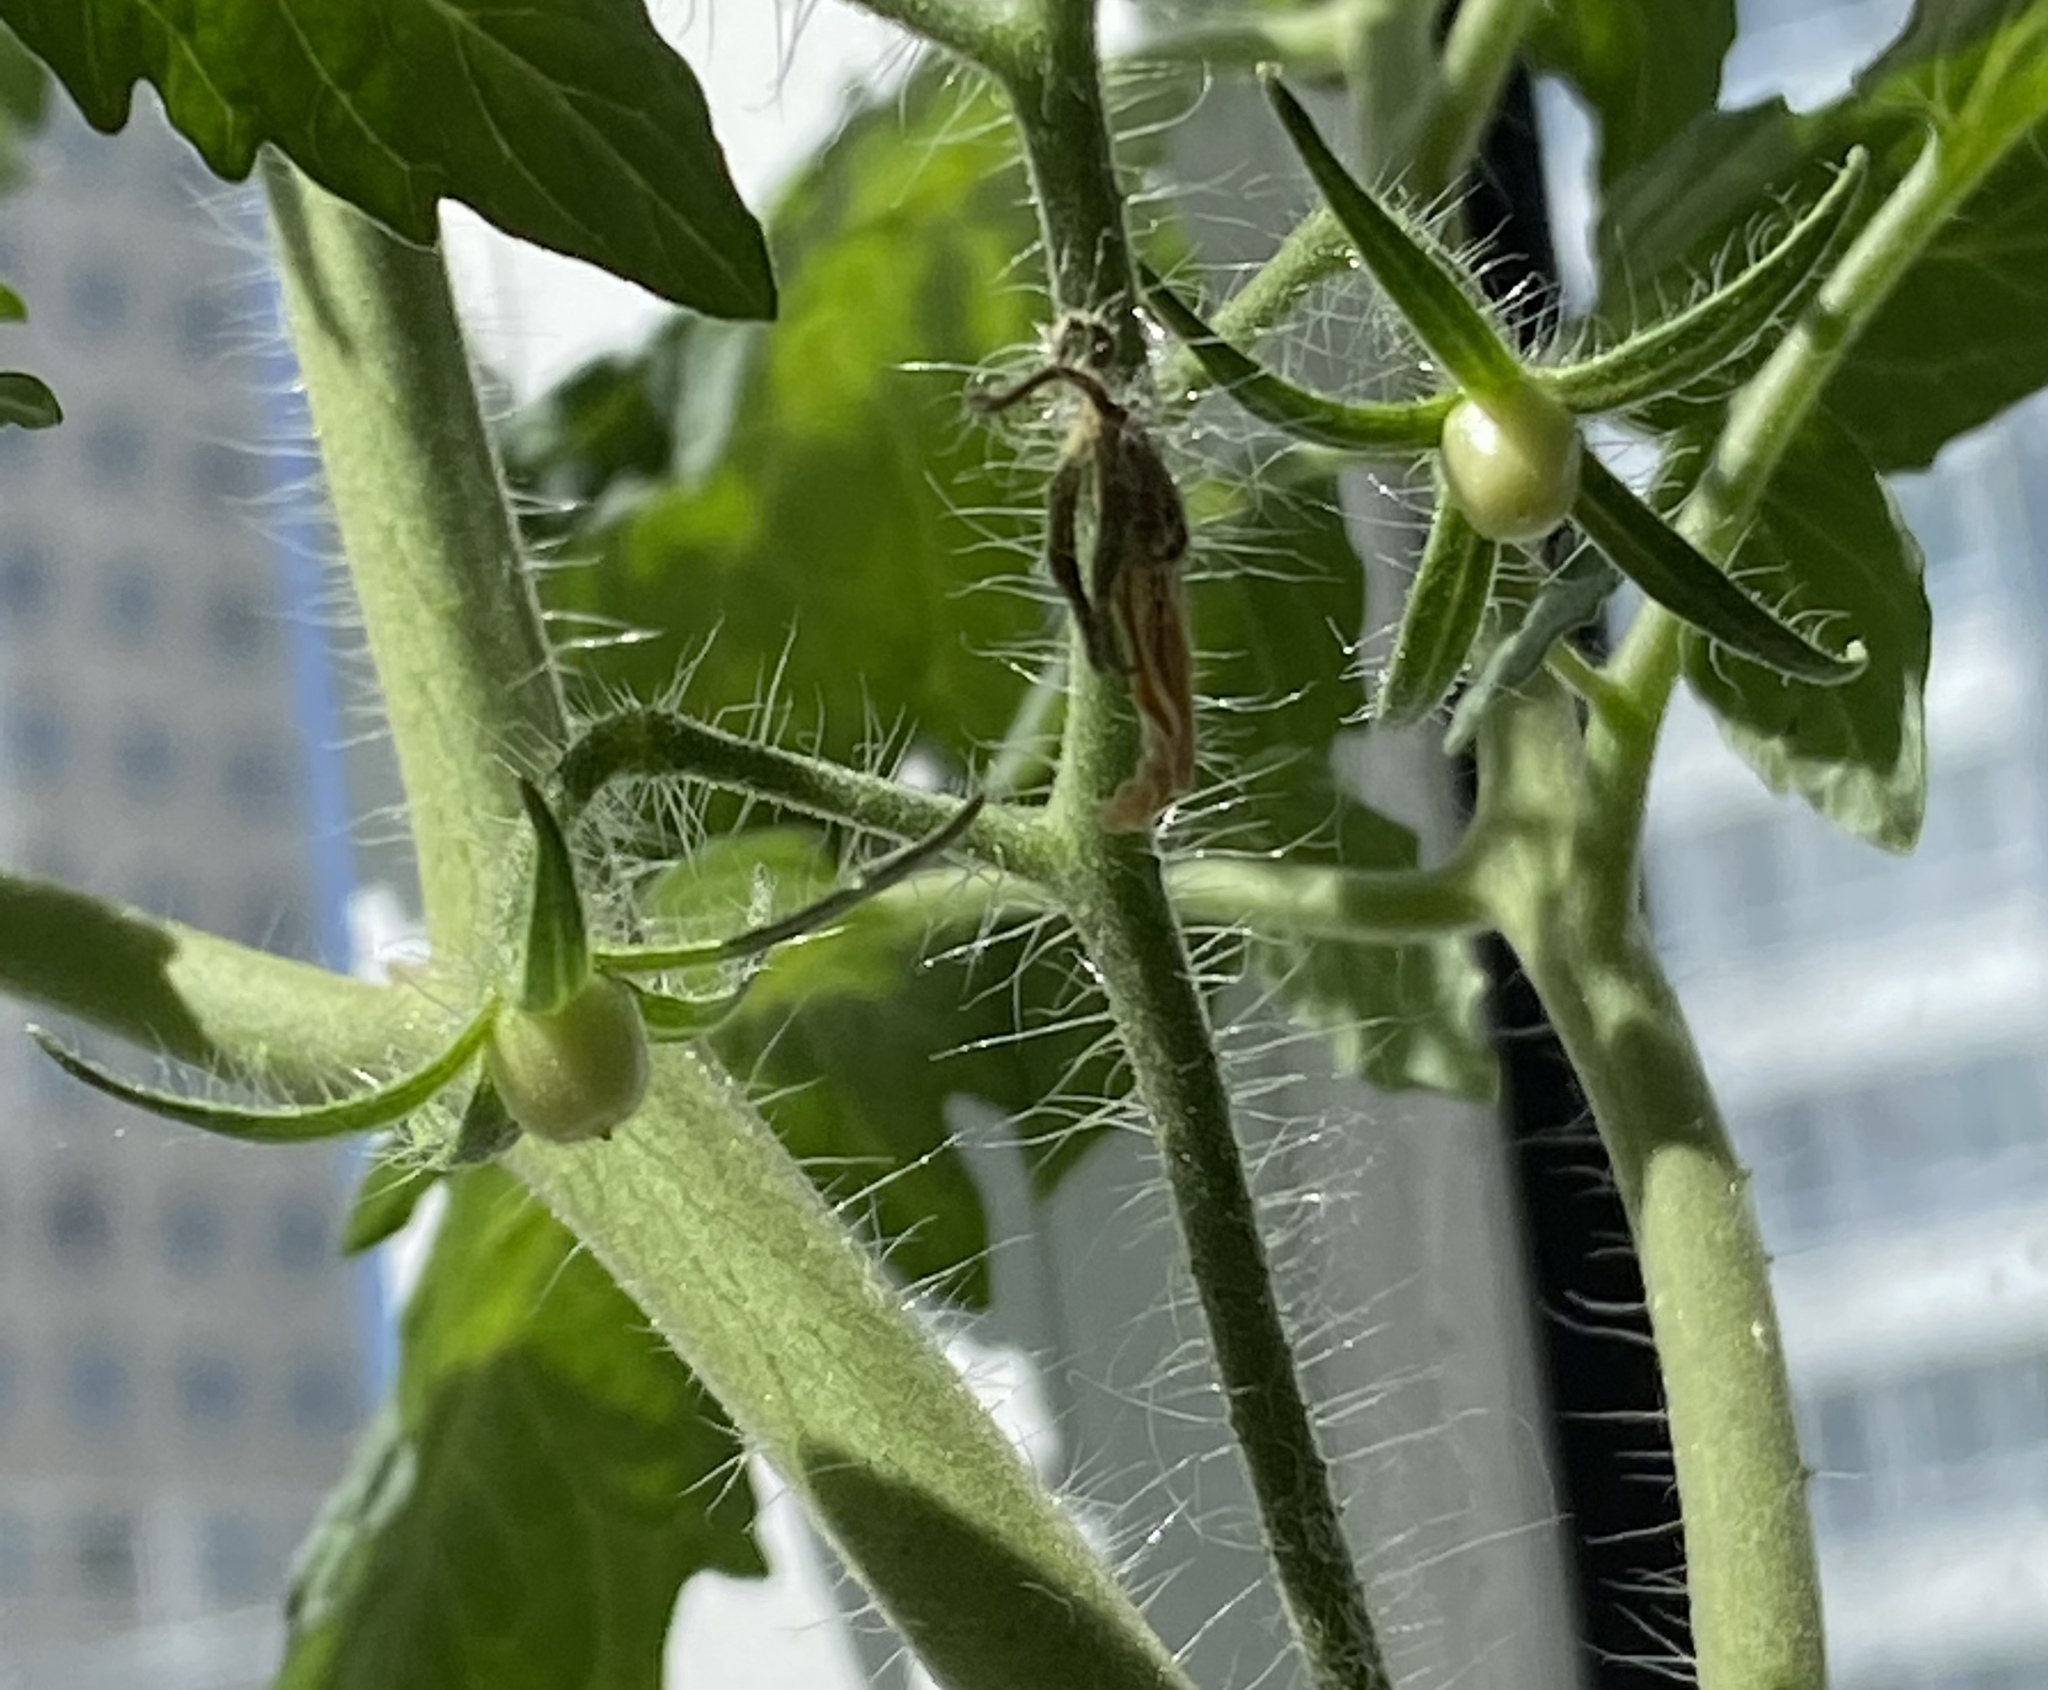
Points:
x=1829, y=538
x=524, y=1514
x=571, y=125
x=859, y=538
x=386, y=1195
x=1964, y=334
x=1646, y=67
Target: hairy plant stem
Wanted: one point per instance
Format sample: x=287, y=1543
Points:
x=1568, y=904
x=206, y=1000
x=1560, y=872
x=662, y=743
x=447, y=603
x=982, y=32
x=694, y=1207
x=1112, y=888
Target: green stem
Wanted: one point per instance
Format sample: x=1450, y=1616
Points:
x=1122, y=915
x=1749, y=1545
x=694, y=1206
x=1768, y=413
x=1308, y=43
x=1113, y=891
x=1315, y=250
x=206, y=1000
x=1563, y=883
x=706, y=1222
x=436, y=561
x=1307, y=901
x=1589, y=681
x=658, y=742
x=1059, y=110
x=999, y=42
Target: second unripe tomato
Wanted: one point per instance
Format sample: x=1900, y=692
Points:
x=1512, y=464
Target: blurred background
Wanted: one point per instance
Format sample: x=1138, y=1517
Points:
x=184, y=1359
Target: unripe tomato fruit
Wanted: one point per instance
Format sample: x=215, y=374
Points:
x=1512, y=464
x=576, y=1073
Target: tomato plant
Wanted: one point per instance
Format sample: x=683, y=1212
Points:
x=1842, y=285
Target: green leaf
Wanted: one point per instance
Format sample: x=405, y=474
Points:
x=557, y=949
x=1964, y=333
x=1413, y=426
x=27, y=402
x=1423, y=284
x=571, y=124
x=1830, y=538
x=386, y=1196
x=1446, y=606
x=525, y=1512
x=1667, y=566
x=1646, y=67
x=358, y=1112
x=12, y=307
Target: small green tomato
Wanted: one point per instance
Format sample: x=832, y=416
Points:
x=1512, y=464
x=577, y=1072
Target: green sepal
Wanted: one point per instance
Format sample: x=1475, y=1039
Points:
x=1411, y=426
x=297, y=1123
x=1671, y=570
x=1421, y=282
x=386, y=1196
x=557, y=946
x=672, y=1020
x=1446, y=607
x=887, y=871
x=487, y=1130
x=27, y=402
x=1563, y=605
x=13, y=308
x=1670, y=356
